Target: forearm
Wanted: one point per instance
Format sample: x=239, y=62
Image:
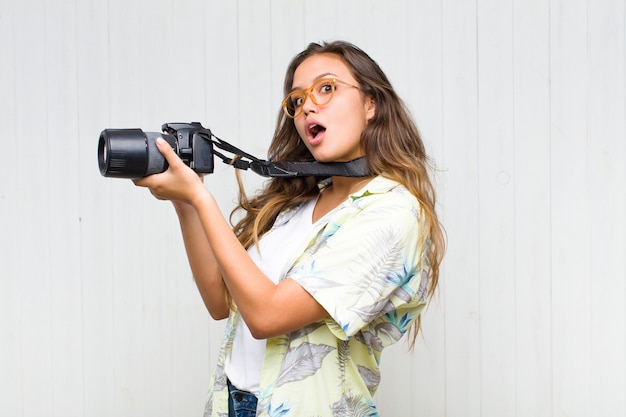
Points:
x=268, y=309
x=204, y=266
x=220, y=264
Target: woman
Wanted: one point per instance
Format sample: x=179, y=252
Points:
x=318, y=276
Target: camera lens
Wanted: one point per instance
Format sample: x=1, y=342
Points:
x=131, y=153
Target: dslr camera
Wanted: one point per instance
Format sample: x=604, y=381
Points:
x=132, y=153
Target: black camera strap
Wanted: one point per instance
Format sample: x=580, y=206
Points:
x=355, y=168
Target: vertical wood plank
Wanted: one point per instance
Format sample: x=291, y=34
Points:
x=606, y=182
x=533, y=289
x=64, y=210
x=32, y=211
x=497, y=210
x=460, y=161
x=10, y=279
x=570, y=223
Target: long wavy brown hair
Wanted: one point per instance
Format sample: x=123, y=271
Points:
x=392, y=146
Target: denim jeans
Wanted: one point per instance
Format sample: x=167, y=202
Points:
x=241, y=403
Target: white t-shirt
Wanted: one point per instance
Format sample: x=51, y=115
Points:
x=243, y=366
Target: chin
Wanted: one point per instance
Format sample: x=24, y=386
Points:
x=324, y=160
x=330, y=156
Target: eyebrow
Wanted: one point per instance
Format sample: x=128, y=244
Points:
x=324, y=75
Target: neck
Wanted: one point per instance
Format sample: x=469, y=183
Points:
x=336, y=193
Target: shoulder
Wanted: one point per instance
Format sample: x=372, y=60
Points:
x=384, y=194
x=383, y=207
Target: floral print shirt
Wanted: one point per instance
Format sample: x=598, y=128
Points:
x=365, y=263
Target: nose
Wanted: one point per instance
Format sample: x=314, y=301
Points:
x=308, y=105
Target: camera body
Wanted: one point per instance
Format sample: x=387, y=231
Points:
x=132, y=153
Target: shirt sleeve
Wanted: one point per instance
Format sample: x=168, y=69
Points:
x=366, y=262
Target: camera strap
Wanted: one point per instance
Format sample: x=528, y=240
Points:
x=355, y=168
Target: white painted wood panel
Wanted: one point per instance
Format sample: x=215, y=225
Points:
x=532, y=245
x=10, y=349
x=66, y=355
x=606, y=179
x=462, y=283
x=521, y=105
x=569, y=167
x=496, y=194
x=33, y=200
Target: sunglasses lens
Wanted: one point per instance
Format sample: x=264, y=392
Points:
x=323, y=91
x=290, y=107
x=320, y=93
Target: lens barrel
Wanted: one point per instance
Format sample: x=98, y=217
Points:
x=131, y=153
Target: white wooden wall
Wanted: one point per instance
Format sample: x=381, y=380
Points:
x=521, y=103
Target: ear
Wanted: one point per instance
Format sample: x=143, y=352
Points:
x=370, y=108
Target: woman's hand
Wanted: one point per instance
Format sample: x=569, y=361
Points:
x=178, y=183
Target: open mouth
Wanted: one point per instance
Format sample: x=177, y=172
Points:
x=315, y=130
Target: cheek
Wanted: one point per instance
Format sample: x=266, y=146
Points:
x=300, y=128
x=354, y=121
